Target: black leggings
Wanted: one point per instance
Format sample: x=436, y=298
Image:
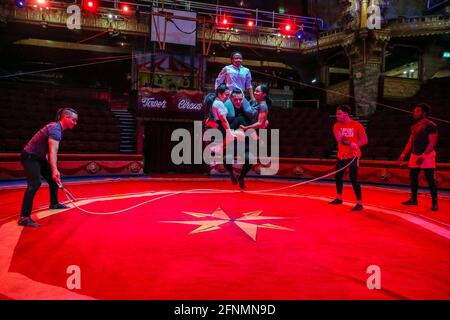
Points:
x=429, y=175
x=227, y=162
x=353, y=171
x=35, y=167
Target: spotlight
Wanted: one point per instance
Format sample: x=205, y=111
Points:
x=90, y=5
x=41, y=4
x=126, y=9
x=20, y=3
x=250, y=24
x=287, y=28
x=225, y=21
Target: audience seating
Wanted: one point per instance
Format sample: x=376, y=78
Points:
x=24, y=109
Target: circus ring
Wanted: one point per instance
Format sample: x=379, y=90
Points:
x=180, y=242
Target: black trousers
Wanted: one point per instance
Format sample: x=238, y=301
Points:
x=353, y=172
x=227, y=161
x=429, y=175
x=35, y=167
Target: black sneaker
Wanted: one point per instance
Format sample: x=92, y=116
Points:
x=58, y=206
x=410, y=202
x=28, y=222
x=241, y=182
x=358, y=207
x=234, y=180
x=434, y=205
x=336, y=201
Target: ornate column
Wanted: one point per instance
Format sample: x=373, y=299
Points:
x=365, y=53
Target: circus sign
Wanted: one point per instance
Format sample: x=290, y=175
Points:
x=153, y=103
x=160, y=100
x=187, y=104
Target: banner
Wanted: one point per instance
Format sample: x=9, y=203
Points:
x=161, y=101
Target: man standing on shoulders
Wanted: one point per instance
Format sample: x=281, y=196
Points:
x=236, y=76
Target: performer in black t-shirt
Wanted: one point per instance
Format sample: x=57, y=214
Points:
x=35, y=163
x=421, y=143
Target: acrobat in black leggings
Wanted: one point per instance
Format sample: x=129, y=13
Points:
x=228, y=161
x=353, y=171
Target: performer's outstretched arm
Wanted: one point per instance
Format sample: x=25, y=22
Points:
x=220, y=78
x=248, y=86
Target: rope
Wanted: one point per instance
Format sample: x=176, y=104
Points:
x=73, y=200
x=307, y=181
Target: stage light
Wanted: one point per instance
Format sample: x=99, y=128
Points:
x=287, y=28
x=41, y=4
x=250, y=24
x=90, y=5
x=126, y=9
x=20, y=3
x=446, y=54
x=224, y=22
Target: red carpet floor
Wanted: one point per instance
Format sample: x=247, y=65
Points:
x=287, y=244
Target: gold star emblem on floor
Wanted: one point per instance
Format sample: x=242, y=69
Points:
x=219, y=217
